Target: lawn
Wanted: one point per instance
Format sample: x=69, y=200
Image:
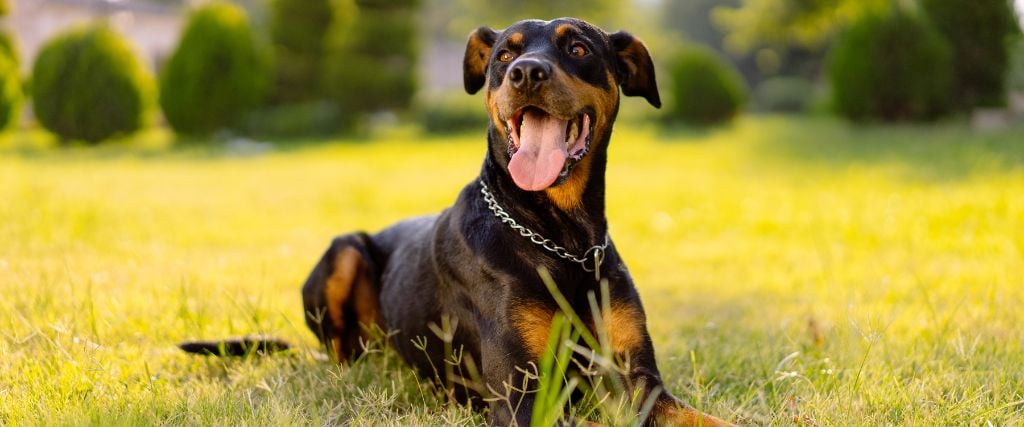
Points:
x=791, y=269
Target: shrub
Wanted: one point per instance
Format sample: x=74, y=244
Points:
x=371, y=64
x=784, y=94
x=10, y=91
x=706, y=89
x=891, y=67
x=451, y=113
x=216, y=75
x=10, y=79
x=978, y=31
x=298, y=29
x=314, y=118
x=88, y=85
x=7, y=46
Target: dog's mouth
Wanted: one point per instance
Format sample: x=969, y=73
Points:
x=543, y=148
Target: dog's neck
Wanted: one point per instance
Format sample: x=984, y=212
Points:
x=576, y=229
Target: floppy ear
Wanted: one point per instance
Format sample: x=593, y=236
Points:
x=635, y=69
x=474, y=65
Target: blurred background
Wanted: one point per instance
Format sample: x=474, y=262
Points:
x=92, y=70
x=824, y=219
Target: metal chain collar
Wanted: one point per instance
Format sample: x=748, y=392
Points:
x=591, y=259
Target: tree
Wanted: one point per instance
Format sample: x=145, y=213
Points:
x=499, y=13
x=807, y=23
x=892, y=66
x=979, y=32
x=371, y=61
x=297, y=30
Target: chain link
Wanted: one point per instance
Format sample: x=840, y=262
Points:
x=593, y=256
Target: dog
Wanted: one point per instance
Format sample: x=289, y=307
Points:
x=471, y=277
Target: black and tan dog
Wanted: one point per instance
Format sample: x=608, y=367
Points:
x=552, y=93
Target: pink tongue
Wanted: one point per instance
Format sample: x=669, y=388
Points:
x=542, y=152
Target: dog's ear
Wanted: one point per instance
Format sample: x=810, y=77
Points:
x=474, y=65
x=635, y=68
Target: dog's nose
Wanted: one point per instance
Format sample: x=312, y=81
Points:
x=528, y=73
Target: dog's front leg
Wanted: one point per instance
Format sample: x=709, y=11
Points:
x=510, y=379
x=627, y=329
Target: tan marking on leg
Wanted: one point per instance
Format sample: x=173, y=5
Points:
x=675, y=415
x=348, y=287
x=625, y=328
x=366, y=302
x=339, y=349
x=533, y=323
x=339, y=284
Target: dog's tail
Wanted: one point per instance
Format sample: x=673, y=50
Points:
x=239, y=346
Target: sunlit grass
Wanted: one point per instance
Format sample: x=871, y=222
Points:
x=792, y=269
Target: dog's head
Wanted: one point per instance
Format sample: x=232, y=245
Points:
x=552, y=93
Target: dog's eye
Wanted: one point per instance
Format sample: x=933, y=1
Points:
x=506, y=56
x=578, y=50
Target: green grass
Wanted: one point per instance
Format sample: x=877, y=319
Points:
x=791, y=269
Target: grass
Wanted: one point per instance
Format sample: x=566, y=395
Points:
x=793, y=270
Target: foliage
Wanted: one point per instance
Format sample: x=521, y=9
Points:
x=371, y=63
x=7, y=45
x=216, y=75
x=1015, y=78
x=789, y=269
x=312, y=118
x=88, y=85
x=891, y=67
x=784, y=94
x=705, y=87
x=451, y=113
x=501, y=13
x=10, y=91
x=780, y=23
x=978, y=31
x=693, y=19
x=298, y=29
x=5, y=7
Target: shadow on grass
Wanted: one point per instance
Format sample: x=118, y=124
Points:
x=933, y=152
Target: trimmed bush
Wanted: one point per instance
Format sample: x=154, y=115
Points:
x=10, y=91
x=88, y=85
x=371, y=65
x=978, y=31
x=10, y=79
x=784, y=94
x=706, y=89
x=891, y=67
x=216, y=75
x=298, y=29
x=7, y=46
